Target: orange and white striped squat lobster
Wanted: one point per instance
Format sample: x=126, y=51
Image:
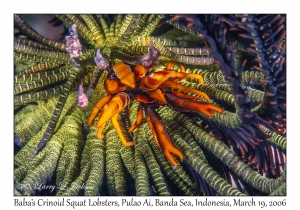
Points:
x=126, y=82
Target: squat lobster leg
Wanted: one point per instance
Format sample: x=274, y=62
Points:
x=186, y=105
x=138, y=120
x=162, y=138
x=186, y=89
x=116, y=125
x=97, y=108
x=111, y=109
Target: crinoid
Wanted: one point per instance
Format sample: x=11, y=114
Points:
x=152, y=105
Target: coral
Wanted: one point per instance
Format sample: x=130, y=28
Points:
x=212, y=88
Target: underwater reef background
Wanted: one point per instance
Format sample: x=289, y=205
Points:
x=183, y=144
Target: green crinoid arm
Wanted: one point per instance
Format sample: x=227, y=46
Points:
x=39, y=67
x=228, y=157
x=82, y=30
x=47, y=54
x=280, y=191
x=217, y=77
x=221, y=186
x=141, y=25
x=35, y=58
x=58, y=109
x=92, y=161
x=27, y=124
x=151, y=25
x=104, y=26
x=159, y=182
x=196, y=160
x=24, y=28
x=142, y=184
x=142, y=177
x=84, y=172
x=124, y=25
x=35, y=96
x=128, y=32
x=54, y=77
x=118, y=23
x=43, y=76
x=185, y=59
x=97, y=162
x=69, y=162
x=188, y=51
x=114, y=170
x=124, y=57
x=215, y=93
x=93, y=25
x=275, y=138
x=33, y=170
x=31, y=43
x=127, y=153
x=185, y=29
x=209, y=77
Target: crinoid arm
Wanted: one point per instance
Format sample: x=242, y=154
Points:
x=60, y=104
